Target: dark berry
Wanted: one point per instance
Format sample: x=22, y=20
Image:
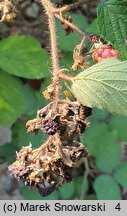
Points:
x=50, y=127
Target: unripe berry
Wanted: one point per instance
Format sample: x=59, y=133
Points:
x=106, y=46
x=107, y=53
x=103, y=52
x=115, y=53
x=100, y=51
x=100, y=59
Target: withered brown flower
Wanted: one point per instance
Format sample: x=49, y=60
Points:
x=52, y=164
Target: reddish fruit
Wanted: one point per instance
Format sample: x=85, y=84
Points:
x=106, y=46
x=108, y=50
x=106, y=54
x=100, y=59
x=115, y=53
x=100, y=51
x=103, y=52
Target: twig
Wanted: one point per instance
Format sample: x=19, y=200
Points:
x=69, y=7
x=87, y=172
x=71, y=25
x=66, y=77
x=52, y=12
x=54, y=48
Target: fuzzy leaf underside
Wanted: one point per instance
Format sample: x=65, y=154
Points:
x=104, y=86
x=112, y=23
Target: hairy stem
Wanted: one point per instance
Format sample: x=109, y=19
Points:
x=52, y=12
x=71, y=25
x=69, y=7
x=54, y=48
x=66, y=77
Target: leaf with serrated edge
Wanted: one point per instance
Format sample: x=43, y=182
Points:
x=112, y=23
x=104, y=85
x=23, y=56
x=12, y=99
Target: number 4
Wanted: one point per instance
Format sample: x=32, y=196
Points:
x=118, y=207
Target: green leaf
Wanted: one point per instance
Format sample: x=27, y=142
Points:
x=67, y=60
x=8, y=151
x=93, y=137
x=12, y=100
x=106, y=188
x=81, y=187
x=68, y=42
x=119, y=123
x=112, y=23
x=121, y=174
x=109, y=153
x=104, y=147
x=23, y=56
x=93, y=27
x=100, y=115
x=29, y=194
x=20, y=138
x=15, y=99
x=31, y=100
x=67, y=190
x=104, y=85
x=32, y=194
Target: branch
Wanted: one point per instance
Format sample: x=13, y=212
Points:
x=52, y=12
x=69, y=7
x=71, y=25
x=54, y=48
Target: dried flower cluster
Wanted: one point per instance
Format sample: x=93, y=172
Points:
x=52, y=164
x=45, y=168
x=69, y=118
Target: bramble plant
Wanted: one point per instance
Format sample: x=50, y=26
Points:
x=102, y=85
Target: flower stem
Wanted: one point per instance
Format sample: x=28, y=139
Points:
x=54, y=48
